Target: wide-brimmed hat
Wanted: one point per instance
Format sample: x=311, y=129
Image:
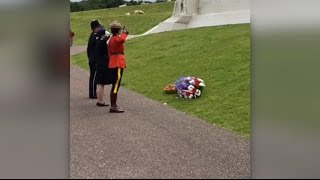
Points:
x=115, y=25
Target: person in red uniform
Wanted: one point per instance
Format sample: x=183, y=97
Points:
x=117, y=62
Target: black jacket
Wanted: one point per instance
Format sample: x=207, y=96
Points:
x=91, y=47
x=101, y=52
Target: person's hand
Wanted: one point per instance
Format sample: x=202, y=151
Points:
x=125, y=30
x=105, y=37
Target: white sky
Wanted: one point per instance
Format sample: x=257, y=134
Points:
x=125, y=0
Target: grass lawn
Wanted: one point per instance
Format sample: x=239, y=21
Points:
x=218, y=55
x=136, y=24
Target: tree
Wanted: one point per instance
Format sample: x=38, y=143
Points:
x=132, y=3
x=114, y=3
x=75, y=6
x=160, y=1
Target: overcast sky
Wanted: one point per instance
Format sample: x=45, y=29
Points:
x=125, y=0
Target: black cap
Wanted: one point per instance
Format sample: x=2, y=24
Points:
x=94, y=24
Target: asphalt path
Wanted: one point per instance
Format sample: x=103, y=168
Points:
x=149, y=140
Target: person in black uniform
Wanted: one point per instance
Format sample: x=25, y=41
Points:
x=95, y=25
x=103, y=75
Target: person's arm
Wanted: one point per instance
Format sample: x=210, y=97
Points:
x=88, y=53
x=121, y=38
x=97, y=49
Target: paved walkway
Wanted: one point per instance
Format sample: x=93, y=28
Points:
x=150, y=140
x=77, y=49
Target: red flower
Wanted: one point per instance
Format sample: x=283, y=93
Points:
x=196, y=83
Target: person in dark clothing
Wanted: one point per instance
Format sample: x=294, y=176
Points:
x=103, y=76
x=95, y=25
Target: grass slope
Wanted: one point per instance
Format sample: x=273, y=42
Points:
x=136, y=24
x=218, y=55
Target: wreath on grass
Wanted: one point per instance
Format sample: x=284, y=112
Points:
x=186, y=87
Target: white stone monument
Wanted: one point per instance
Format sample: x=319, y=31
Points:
x=185, y=8
x=201, y=13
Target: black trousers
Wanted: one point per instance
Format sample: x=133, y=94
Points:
x=92, y=81
x=116, y=74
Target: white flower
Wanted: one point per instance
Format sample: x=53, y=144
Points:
x=190, y=87
x=200, y=80
x=198, y=92
x=202, y=84
x=190, y=96
x=191, y=82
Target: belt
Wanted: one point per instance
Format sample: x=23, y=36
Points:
x=117, y=53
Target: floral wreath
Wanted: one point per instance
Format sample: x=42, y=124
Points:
x=186, y=87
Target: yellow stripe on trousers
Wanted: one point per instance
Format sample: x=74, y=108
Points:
x=118, y=80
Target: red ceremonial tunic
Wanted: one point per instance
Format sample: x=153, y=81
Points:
x=116, y=51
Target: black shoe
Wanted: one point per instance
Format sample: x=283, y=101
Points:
x=102, y=104
x=93, y=97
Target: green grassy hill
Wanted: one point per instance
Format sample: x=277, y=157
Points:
x=218, y=55
x=136, y=24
